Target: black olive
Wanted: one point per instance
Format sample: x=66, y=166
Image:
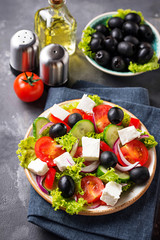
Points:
x=115, y=22
x=102, y=28
x=102, y=58
x=127, y=61
x=98, y=35
x=131, y=39
x=110, y=44
x=118, y=64
x=133, y=17
x=117, y=33
x=126, y=49
x=115, y=115
x=139, y=175
x=57, y=130
x=144, y=45
x=130, y=28
x=145, y=33
x=108, y=159
x=96, y=44
x=144, y=55
x=74, y=118
x=67, y=186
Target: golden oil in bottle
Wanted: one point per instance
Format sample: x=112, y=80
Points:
x=54, y=24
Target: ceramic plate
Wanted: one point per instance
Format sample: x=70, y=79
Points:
x=101, y=19
x=126, y=199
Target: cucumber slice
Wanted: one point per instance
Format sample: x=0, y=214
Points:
x=101, y=171
x=122, y=176
x=38, y=124
x=110, y=134
x=81, y=128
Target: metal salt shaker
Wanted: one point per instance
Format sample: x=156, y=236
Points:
x=24, y=47
x=54, y=64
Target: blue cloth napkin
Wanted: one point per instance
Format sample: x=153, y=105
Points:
x=134, y=222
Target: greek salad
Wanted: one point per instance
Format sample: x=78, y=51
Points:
x=86, y=154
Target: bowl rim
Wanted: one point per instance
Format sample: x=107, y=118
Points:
x=92, y=212
x=106, y=70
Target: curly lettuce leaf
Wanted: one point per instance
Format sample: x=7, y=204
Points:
x=151, y=65
x=95, y=135
x=96, y=99
x=122, y=13
x=69, y=106
x=150, y=141
x=71, y=206
x=127, y=186
x=26, y=152
x=67, y=141
x=84, y=45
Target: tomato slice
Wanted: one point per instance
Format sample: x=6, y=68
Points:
x=78, y=152
x=49, y=179
x=104, y=147
x=92, y=187
x=46, y=149
x=101, y=116
x=55, y=120
x=135, y=151
x=135, y=122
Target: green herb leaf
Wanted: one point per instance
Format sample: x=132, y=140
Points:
x=95, y=135
x=70, y=205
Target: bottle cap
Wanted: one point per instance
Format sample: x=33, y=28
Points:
x=24, y=46
x=54, y=64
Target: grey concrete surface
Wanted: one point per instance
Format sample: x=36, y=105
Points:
x=16, y=116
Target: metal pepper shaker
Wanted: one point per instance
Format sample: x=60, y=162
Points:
x=54, y=64
x=24, y=47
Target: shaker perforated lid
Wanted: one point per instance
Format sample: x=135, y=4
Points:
x=24, y=46
x=54, y=64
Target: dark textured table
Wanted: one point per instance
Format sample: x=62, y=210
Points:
x=16, y=116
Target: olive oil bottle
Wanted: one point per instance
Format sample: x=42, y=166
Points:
x=54, y=24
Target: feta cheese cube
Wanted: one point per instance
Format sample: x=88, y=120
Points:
x=128, y=134
x=59, y=112
x=111, y=193
x=90, y=148
x=38, y=167
x=63, y=161
x=86, y=104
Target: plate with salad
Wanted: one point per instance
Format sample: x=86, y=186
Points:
x=88, y=156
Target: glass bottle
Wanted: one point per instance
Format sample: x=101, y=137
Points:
x=54, y=24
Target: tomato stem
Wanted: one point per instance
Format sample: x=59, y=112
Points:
x=30, y=80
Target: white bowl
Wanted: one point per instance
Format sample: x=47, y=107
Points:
x=102, y=19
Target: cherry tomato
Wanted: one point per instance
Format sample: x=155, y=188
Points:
x=54, y=119
x=135, y=151
x=28, y=87
x=101, y=116
x=46, y=149
x=135, y=122
x=104, y=147
x=49, y=179
x=92, y=187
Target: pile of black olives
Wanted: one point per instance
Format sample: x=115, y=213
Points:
x=124, y=40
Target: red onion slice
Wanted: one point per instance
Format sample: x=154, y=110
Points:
x=90, y=168
x=127, y=168
x=45, y=127
x=74, y=149
x=144, y=136
x=94, y=205
x=71, y=162
x=39, y=180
